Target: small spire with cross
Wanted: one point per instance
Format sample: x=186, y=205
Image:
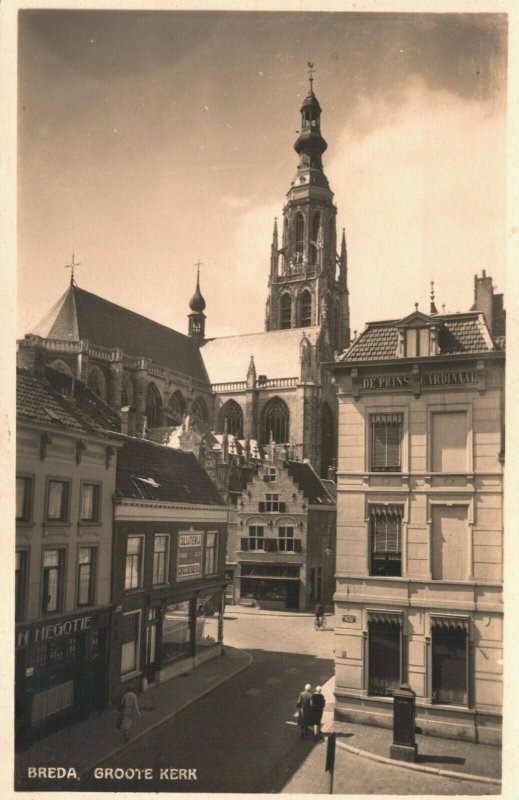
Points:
x=434, y=310
x=71, y=266
x=311, y=71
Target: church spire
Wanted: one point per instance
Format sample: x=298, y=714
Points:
x=310, y=145
x=197, y=306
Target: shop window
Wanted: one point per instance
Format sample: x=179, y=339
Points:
x=385, y=656
x=85, y=577
x=272, y=503
x=57, y=501
x=52, y=583
x=176, y=632
x=90, y=493
x=211, y=560
x=20, y=583
x=134, y=552
x=207, y=621
x=417, y=342
x=449, y=664
x=130, y=637
x=386, y=437
x=450, y=538
x=386, y=540
x=286, y=312
x=286, y=540
x=23, y=498
x=256, y=537
x=160, y=558
x=448, y=441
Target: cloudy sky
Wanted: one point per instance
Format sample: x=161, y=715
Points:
x=148, y=141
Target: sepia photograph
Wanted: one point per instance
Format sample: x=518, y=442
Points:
x=260, y=400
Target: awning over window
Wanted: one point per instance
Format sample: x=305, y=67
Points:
x=451, y=623
x=388, y=617
x=385, y=511
x=386, y=419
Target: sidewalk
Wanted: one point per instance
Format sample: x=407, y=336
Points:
x=240, y=610
x=447, y=757
x=89, y=742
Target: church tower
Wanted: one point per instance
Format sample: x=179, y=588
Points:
x=308, y=278
x=196, y=329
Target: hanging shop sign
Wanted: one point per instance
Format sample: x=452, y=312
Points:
x=189, y=555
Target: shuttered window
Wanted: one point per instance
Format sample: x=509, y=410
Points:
x=386, y=437
x=386, y=540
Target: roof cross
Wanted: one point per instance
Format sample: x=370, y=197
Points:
x=198, y=264
x=311, y=71
x=71, y=268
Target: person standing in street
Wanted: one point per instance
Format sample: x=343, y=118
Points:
x=127, y=707
x=305, y=714
x=317, y=705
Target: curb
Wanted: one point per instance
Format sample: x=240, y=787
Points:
x=445, y=773
x=164, y=719
x=244, y=610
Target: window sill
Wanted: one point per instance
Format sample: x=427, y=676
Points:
x=134, y=591
x=56, y=528
x=88, y=529
x=447, y=707
x=129, y=675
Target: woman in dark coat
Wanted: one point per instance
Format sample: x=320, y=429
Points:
x=317, y=705
x=305, y=713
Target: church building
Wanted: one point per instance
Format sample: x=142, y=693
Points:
x=263, y=387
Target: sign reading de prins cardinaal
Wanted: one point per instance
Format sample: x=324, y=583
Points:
x=359, y=382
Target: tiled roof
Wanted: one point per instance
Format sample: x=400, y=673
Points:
x=309, y=483
x=152, y=471
x=47, y=400
x=276, y=354
x=463, y=334
x=82, y=315
x=331, y=488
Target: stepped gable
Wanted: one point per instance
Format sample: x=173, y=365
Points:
x=79, y=314
x=309, y=483
x=150, y=471
x=276, y=354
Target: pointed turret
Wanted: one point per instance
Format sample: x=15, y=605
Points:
x=274, y=257
x=251, y=374
x=197, y=316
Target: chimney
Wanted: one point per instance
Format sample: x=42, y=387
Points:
x=128, y=420
x=332, y=473
x=483, y=298
x=31, y=356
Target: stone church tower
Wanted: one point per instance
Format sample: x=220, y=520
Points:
x=308, y=279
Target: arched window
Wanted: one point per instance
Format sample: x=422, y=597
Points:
x=126, y=391
x=276, y=420
x=233, y=415
x=199, y=410
x=286, y=312
x=305, y=309
x=327, y=439
x=299, y=233
x=175, y=409
x=60, y=366
x=316, y=222
x=153, y=406
x=97, y=382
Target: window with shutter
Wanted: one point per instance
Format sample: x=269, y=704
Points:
x=386, y=437
x=386, y=540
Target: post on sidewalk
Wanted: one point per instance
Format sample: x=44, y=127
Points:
x=330, y=759
x=404, y=746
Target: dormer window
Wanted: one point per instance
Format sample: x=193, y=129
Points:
x=417, y=342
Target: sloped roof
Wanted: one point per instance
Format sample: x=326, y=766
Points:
x=276, y=354
x=82, y=315
x=331, y=488
x=151, y=471
x=309, y=483
x=459, y=334
x=47, y=400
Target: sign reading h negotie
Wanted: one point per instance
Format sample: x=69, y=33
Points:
x=459, y=378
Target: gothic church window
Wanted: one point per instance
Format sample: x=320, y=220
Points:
x=153, y=406
x=286, y=312
x=276, y=419
x=126, y=392
x=176, y=408
x=305, y=306
x=97, y=382
x=199, y=410
x=233, y=415
x=299, y=231
x=60, y=366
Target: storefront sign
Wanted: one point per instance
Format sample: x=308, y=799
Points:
x=189, y=559
x=459, y=378
x=349, y=618
x=43, y=633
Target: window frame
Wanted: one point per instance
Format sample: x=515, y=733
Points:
x=400, y=537
x=67, y=482
x=435, y=621
x=435, y=408
x=62, y=551
x=28, y=479
x=84, y=521
x=141, y=565
x=92, y=578
x=255, y=537
x=373, y=621
x=285, y=539
x=137, y=650
x=371, y=410
x=388, y=468
x=20, y=599
x=285, y=311
x=419, y=343
x=214, y=550
x=167, y=559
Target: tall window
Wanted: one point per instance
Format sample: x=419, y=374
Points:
x=160, y=558
x=450, y=663
x=20, y=582
x=286, y=539
x=199, y=410
x=448, y=441
x=417, y=342
x=153, y=406
x=85, y=578
x=233, y=415
x=89, y=502
x=57, y=501
x=130, y=642
x=211, y=561
x=450, y=543
x=276, y=421
x=305, y=309
x=386, y=437
x=97, y=382
x=133, y=574
x=52, y=588
x=384, y=642
x=176, y=408
x=256, y=537
x=286, y=312
x=23, y=499
x=386, y=540
x=126, y=391
x=299, y=233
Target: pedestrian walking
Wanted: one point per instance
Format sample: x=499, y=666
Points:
x=317, y=705
x=127, y=708
x=305, y=714
x=319, y=616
